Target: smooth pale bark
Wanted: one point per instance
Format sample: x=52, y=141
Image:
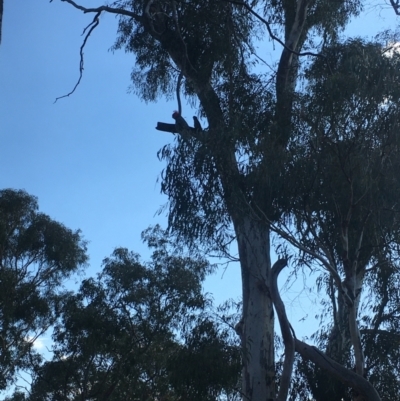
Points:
x=257, y=331
x=345, y=333
x=364, y=390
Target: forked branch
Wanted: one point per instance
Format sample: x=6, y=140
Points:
x=347, y=376
x=307, y=352
x=396, y=6
x=270, y=33
x=112, y=10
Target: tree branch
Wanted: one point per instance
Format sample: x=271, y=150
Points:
x=112, y=10
x=286, y=329
x=166, y=127
x=347, y=376
x=184, y=131
x=396, y=6
x=284, y=72
x=90, y=28
x=271, y=34
x=292, y=240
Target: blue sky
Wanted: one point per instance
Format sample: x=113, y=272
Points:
x=91, y=158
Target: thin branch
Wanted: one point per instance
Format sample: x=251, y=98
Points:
x=89, y=29
x=112, y=10
x=360, y=239
x=292, y=240
x=271, y=34
x=322, y=246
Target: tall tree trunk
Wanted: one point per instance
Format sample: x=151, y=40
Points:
x=257, y=329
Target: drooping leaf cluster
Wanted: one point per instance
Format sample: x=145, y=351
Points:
x=212, y=33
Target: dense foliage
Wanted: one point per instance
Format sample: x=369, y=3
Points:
x=37, y=254
x=137, y=330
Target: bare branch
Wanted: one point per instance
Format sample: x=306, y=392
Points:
x=292, y=240
x=166, y=127
x=112, y=10
x=271, y=34
x=89, y=29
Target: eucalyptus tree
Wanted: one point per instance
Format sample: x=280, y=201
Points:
x=229, y=179
x=36, y=255
x=345, y=215
x=142, y=331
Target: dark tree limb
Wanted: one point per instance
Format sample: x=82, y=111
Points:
x=347, y=376
x=88, y=30
x=166, y=127
x=178, y=92
x=396, y=6
x=286, y=61
x=184, y=130
x=112, y=10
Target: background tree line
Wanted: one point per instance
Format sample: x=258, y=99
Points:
x=136, y=331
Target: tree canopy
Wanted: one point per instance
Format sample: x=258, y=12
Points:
x=304, y=151
x=37, y=254
x=141, y=331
